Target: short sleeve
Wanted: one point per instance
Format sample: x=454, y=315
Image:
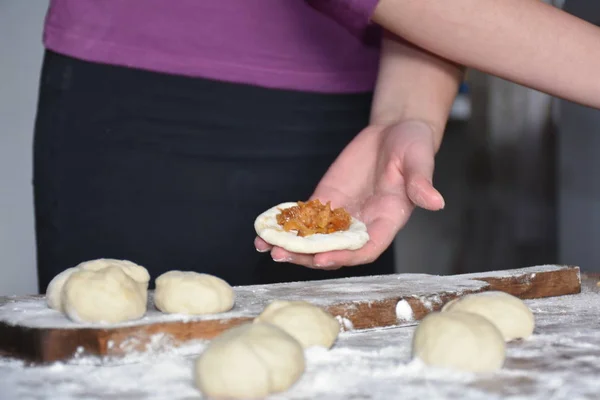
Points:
x=354, y=15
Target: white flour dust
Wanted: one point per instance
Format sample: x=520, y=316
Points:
x=404, y=311
x=33, y=311
x=345, y=323
x=561, y=361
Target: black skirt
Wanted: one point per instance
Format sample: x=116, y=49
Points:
x=170, y=172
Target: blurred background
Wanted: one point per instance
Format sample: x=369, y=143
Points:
x=518, y=170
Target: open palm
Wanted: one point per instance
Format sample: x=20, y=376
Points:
x=379, y=178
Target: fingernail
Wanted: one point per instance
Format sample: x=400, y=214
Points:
x=261, y=251
x=285, y=259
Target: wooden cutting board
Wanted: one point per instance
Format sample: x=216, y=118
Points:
x=30, y=330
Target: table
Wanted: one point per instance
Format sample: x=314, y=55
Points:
x=561, y=361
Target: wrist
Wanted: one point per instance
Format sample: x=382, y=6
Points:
x=387, y=118
x=417, y=130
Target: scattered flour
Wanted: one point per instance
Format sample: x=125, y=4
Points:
x=518, y=271
x=345, y=323
x=404, y=311
x=561, y=361
x=33, y=311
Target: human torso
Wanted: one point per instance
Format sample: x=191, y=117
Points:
x=271, y=43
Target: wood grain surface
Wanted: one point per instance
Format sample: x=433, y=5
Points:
x=358, y=303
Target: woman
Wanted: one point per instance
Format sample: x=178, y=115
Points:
x=164, y=128
x=526, y=41
x=265, y=94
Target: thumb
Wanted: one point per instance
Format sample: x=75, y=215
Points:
x=417, y=167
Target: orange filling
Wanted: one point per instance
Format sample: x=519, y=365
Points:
x=308, y=218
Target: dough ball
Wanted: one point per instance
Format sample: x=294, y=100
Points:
x=459, y=341
x=55, y=287
x=108, y=295
x=134, y=271
x=188, y=292
x=510, y=314
x=308, y=324
x=249, y=361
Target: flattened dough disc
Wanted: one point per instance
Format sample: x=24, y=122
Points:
x=270, y=231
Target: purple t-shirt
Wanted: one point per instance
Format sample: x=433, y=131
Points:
x=315, y=45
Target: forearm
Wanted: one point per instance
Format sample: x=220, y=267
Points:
x=525, y=41
x=414, y=85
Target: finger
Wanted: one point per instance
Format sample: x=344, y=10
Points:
x=280, y=255
x=348, y=258
x=306, y=260
x=261, y=246
x=418, y=166
x=326, y=268
x=382, y=233
x=422, y=193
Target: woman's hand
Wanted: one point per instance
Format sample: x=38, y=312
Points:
x=379, y=178
x=387, y=169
